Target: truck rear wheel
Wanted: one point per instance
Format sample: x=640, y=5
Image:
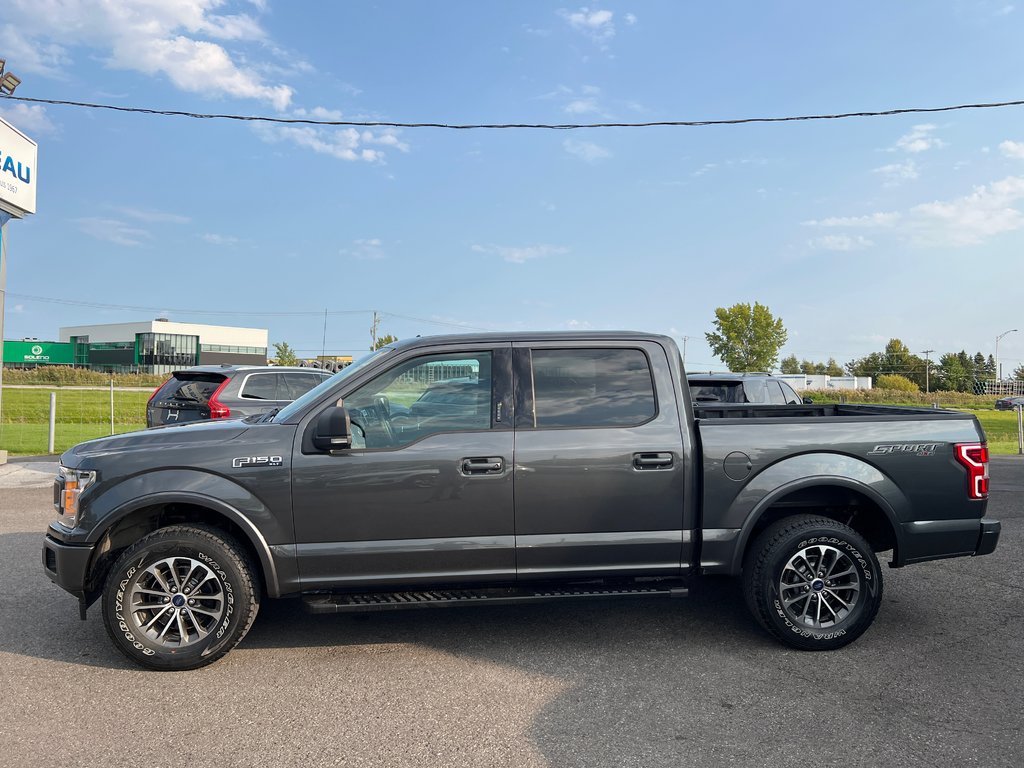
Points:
x=812, y=582
x=180, y=598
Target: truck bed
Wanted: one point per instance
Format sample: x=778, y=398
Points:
x=822, y=410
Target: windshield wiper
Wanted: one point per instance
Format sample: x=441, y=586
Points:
x=264, y=418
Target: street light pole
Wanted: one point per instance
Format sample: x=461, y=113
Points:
x=927, y=369
x=999, y=372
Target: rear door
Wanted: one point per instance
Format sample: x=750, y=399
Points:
x=183, y=398
x=599, y=470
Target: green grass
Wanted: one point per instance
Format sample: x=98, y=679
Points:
x=85, y=414
x=81, y=415
x=30, y=439
x=1000, y=429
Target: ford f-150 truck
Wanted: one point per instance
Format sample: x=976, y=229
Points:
x=510, y=468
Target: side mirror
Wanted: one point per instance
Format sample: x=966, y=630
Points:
x=808, y=401
x=333, y=430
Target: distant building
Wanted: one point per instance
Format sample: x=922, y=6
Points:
x=153, y=346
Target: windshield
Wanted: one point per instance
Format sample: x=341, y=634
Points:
x=316, y=392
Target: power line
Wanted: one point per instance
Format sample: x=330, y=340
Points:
x=499, y=126
x=238, y=313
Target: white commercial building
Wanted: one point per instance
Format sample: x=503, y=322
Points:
x=159, y=346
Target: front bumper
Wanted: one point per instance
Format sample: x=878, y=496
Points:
x=937, y=539
x=67, y=564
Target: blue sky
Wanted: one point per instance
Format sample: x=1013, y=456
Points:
x=852, y=231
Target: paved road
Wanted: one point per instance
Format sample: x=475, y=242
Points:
x=938, y=680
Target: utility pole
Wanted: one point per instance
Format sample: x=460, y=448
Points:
x=323, y=343
x=373, y=330
x=927, y=369
x=685, y=339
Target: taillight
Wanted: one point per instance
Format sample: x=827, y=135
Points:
x=974, y=456
x=217, y=409
x=155, y=391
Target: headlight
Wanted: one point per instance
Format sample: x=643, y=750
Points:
x=68, y=487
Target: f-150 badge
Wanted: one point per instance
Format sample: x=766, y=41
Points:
x=257, y=461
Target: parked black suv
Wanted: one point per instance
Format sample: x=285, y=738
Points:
x=741, y=388
x=227, y=392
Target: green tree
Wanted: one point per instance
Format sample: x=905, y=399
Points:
x=896, y=359
x=832, y=368
x=1018, y=372
x=953, y=372
x=284, y=354
x=383, y=341
x=747, y=338
x=790, y=365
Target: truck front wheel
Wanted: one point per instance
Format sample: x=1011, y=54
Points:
x=180, y=598
x=812, y=582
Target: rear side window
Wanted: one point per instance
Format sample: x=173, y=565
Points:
x=189, y=387
x=297, y=384
x=775, y=393
x=592, y=388
x=260, y=386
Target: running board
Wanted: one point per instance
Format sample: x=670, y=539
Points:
x=377, y=601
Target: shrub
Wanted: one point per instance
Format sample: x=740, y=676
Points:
x=896, y=382
x=64, y=376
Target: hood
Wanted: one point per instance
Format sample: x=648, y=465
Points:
x=194, y=434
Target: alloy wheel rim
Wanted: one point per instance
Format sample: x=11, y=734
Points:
x=819, y=587
x=177, y=602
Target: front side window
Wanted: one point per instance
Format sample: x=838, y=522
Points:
x=421, y=397
x=592, y=388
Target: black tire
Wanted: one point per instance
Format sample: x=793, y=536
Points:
x=197, y=566
x=801, y=565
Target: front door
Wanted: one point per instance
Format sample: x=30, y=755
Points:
x=425, y=492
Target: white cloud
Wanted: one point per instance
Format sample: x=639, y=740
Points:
x=113, y=231
x=172, y=39
x=895, y=173
x=988, y=211
x=151, y=217
x=23, y=56
x=582, y=106
x=521, y=254
x=367, y=249
x=226, y=241
x=919, y=139
x=870, y=220
x=578, y=325
x=840, y=243
x=586, y=150
x=1014, y=149
x=343, y=143
x=1006, y=10
x=630, y=19
x=30, y=118
x=704, y=169
x=595, y=23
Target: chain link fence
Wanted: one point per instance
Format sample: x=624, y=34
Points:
x=82, y=413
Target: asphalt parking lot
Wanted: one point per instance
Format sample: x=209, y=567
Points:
x=937, y=681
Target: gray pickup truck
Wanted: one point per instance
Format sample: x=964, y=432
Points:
x=510, y=468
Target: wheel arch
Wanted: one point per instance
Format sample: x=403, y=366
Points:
x=135, y=519
x=837, y=498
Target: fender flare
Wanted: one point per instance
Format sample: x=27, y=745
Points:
x=817, y=481
x=252, y=533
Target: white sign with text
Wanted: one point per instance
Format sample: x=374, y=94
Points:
x=18, y=158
